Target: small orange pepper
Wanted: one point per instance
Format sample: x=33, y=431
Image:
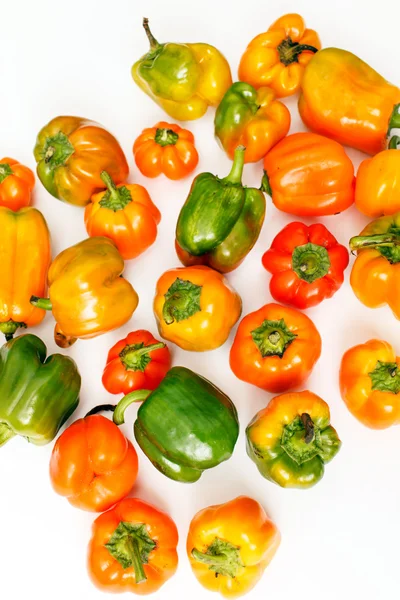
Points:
x=16, y=184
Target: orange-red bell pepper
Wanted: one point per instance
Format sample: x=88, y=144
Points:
x=16, y=184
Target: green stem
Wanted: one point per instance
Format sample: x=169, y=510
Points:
x=394, y=121
x=133, y=549
x=115, y=198
x=310, y=262
x=8, y=328
x=136, y=359
x=5, y=171
x=235, y=175
x=209, y=559
x=166, y=137
x=265, y=185
x=153, y=42
x=359, y=242
x=43, y=303
x=182, y=301
x=136, y=396
x=289, y=51
x=6, y=433
x=394, y=143
x=272, y=338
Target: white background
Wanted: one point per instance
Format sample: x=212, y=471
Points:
x=339, y=539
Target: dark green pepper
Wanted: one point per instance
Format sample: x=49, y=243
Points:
x=221, y=219
x=37, y=395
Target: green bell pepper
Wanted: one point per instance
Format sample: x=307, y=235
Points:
x=37, y=395
x=221, y=219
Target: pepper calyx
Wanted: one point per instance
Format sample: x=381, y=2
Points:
x=394, y=120
x=115, y=198
x=165, y=137
x=131, y=545
x=310, y=262
x=5, y=171
x=289, y=51
x=265, y=185
x=222, y=557
x=56, y=150
x=136, y=357
x=8, y=328
x=385, y=377
x=272, y=338
x=6, y=433
x=301, y=439
x=182, y=301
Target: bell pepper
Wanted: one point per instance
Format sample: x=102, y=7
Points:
x=37, y=394
x=16, y=184
x=184, y=79
x=307, y=265
x=347, y=100
x=195, y=308
x=25, y=256
x=186, y=425
x=165, y=148
x=125, y=214
x=93, y=464
x=250, y=118
x=277, y=58
x=133, y=548
x=275, y=348
x=291, y=440
x=88, y=296
x=71, y=154
x=370, y=384
x=378, y=183
x=375, y=276
x=309, y=175
x=230, y=545
x=138, y=361
x=221, y=219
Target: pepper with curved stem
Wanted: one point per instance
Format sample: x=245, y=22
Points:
x=289, y=51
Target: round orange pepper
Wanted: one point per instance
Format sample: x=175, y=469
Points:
x=16, y=184
x=309, y=175
x=370, y=384
x=275, y=348
x=133, y=548
x=93, y=464
x=125, y=214
x=230, y=546
x=277, y=58
x=165, y=148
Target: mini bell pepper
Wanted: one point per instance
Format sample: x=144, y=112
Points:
x=291, y=440
x=378, y=182
x=186, y=425
x=93, y=464
x=184, y=79
x=195, y=308
x=307, y=265
x=37, y=394
x=250, y=118
x=165, y=148
x=25, y=256
x=309, y=175
x=344, y=98
x=125, y=214
x=221, y=219
x=133, y=548
x=370, y=384
x=275, y=348
x=88, y=296
x=277, y=58
x=138, y=361
x=71, y=154
x=16, y=184
x=375, y=276
x=230, y=545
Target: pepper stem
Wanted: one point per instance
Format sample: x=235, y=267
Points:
x=136, y=396
x=310, y=262
x=153, y=42
x=182, y=301
x=394, y=121
x=359, y=242
x=308, y=428
x=43, y=303
x=6, y=433
x=115, y=198
x=100, y=408
x=208, y=559
x=133, y=549
x=235, y=175
x=289, y=51
x=135, y=357
x=265, y=185
x=165, y=137
x=8, y=328
x=394, y=143
x=221, y=556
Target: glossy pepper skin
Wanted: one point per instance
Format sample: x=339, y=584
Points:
x=375, y=276
x=221, y=220
x=307, y=265
x=195, y=308
x=37, y=394
x=16, y=184
x=275, y=348
x=370, y=383
x=133, y=548
x=291, y=440
x=25, y=256
x=125, y=214
x=165, y=148
x=309, y=175
x=93, y=464
x=345, y=99
x=230, y=545
x=184, y=79
x=71, y=154
x=88, y=296
x=277, y=58
x=137, y=362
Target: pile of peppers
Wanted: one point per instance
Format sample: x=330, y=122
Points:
x=185, y=424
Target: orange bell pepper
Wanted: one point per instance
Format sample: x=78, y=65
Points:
x=275, y=348
x=196, y=308
x=25, y=256
x=277, y=58
x=133, y=548
x=230, y=546
x=93, y=464
x=309, y=175
x=16, y=184
x=165, y=148
x=370, y=384
x=125, y=214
